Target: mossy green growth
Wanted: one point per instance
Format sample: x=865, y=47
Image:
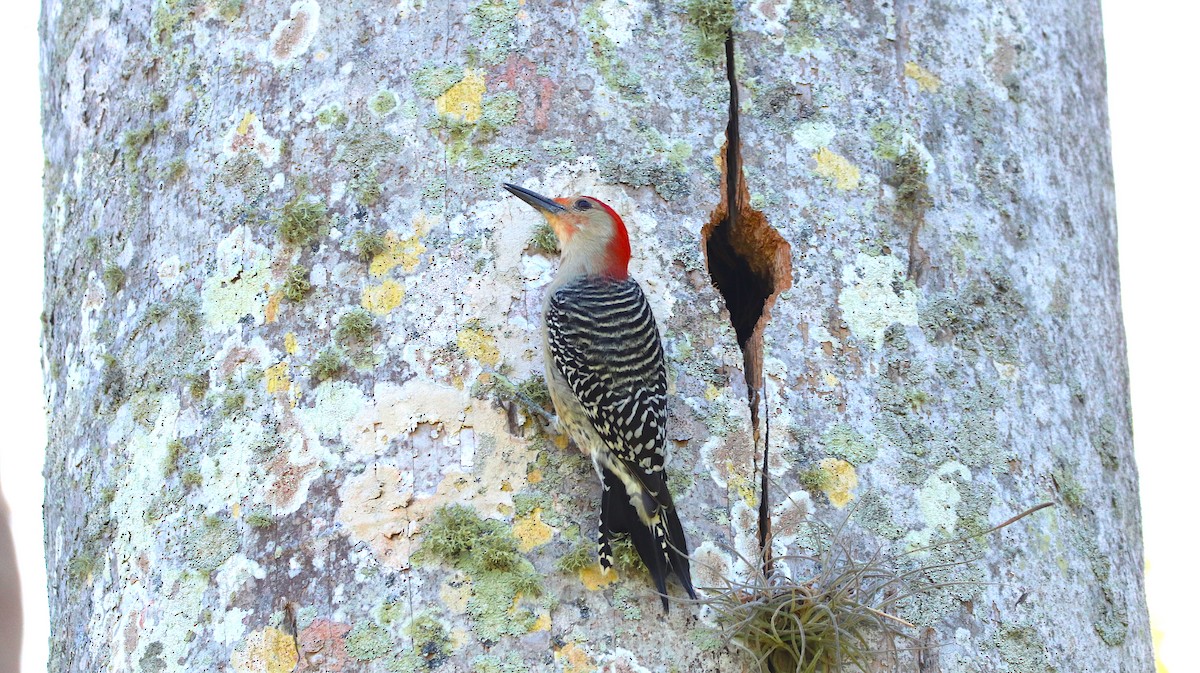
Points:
x=712, y=21
x=233, y=403
x=296, y=285
x=113, y=277
x=82, y=566
x=302, y=220
x=910, y=178
x=191, y=478
x=366, y=244
x=259, y=519
x=230, y=10
x=175, y=450
x=487, y=551
x=332, y=116
x=91, y=245
x=328, y=364
x=543, y=240
x=175, y=170
x=356, y=328
x=430, y=649
x=580, y=557
x=383, y=103
x=367, y=641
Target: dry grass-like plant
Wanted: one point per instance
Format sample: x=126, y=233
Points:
x=832, y=610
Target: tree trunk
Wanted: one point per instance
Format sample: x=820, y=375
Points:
x=282, y=281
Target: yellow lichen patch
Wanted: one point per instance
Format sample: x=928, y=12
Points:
x=456, y=592
x=575, y=659
x=531, y=532
x=743, y=486
x=711, y=393
x=542, y=623
x=463, y=101
x=267, y=651
x=830, y=379
x=837, y=169
x=402, y=252
x=277, y=378
x=289, y=343
x=594, y=577
x=479, y=345
x=926, y=81
x=383, y=298
x=534, y=476
x=838, y=481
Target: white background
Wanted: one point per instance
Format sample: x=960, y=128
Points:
x=1152, y=68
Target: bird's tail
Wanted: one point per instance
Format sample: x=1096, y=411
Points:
x=660, y=543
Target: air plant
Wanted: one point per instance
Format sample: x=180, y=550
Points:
x=831, y=610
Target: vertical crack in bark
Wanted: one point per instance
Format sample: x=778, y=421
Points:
x=750, y=264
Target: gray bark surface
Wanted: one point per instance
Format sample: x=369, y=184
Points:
x=281, y=276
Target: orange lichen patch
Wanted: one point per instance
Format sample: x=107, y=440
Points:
x=531, y=532
x=926, y=81
x=293, y=36
x=266, y=651
x=574, y=659
x=594, y=577
x=837, y=169
x=383, y=298
x=273, y=307
x=323, y=646
x=838, y=480
x=463, y=101
x=402, y=252
x=277, y=378
x=479, y=345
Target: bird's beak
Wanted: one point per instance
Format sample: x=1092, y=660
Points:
x=544, y=205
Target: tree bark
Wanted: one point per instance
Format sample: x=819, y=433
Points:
x=282, y=281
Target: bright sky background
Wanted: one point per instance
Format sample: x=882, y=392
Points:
x=1152, y=69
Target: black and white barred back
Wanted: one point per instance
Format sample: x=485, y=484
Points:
x=604, y=342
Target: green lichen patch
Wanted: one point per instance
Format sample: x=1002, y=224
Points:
x=432, y=80
x=711, y=25
x=581, y=556
x=113, y=278
x=207, y=546
x=494, y=24
x=488, y=552
x=296, y=285
x=259, y=519
x=500, y=110
x=383, y=103
x=332, y=116
x=615, y=72
x=563, y=148
x=368, y=640
x=328, y=364
x=845, y=442
x=667, y=177
x=491, y=663
x=431, y=646
x=1022, y=649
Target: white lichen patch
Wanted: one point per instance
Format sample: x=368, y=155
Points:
x=787, y=517
x=169, y=271
x=294, y=35
x=335, y=405
x=875, y=296
x=743, y=519
x=248, y=135
x=619, y=18
x=814, y=135
x=938, y=500
x=240, y=284
x=711, y=566
x=397, y=410
x=231, y=470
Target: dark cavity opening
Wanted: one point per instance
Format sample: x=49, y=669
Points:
x=750, y=264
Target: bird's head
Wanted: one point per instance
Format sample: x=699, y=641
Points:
x=590, y=234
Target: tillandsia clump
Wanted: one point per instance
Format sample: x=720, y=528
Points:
x=830, y=611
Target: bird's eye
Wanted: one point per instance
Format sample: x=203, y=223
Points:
x=582, y=204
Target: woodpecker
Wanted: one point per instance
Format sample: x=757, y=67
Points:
x=608, y=380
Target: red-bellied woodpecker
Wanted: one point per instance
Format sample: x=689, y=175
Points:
x=608, y=379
